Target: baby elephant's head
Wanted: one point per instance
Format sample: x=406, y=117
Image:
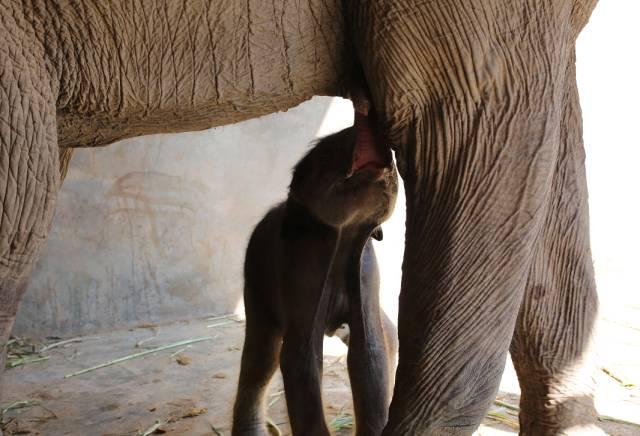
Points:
x=348, y=178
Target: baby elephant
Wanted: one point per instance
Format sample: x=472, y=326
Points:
x=310, y=267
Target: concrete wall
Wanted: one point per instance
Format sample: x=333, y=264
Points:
x=154, y=229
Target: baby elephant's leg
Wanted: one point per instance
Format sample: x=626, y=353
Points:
x=306, y=305
x=391, y=343
x=301, y=366
x=368, y=358
x=260, y=356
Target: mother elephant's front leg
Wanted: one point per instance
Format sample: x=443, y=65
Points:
x=473, y=217
x=471, y=94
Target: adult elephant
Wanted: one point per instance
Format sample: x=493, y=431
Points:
x=479, y=100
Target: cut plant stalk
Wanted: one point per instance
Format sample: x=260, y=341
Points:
x=506, y=405
x=618, y=421
x=13, y=363
x=216, y=431
x=180, y=351
x=341, y=422
x=219, y=317
x=24, y=404
x=228, y=322
x=65, y=342
x=151, y=430
x=620, y=381
x=140, y=354
x=503, y=419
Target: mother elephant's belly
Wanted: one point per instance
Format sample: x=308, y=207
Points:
x=100, y=129
x=151, y=70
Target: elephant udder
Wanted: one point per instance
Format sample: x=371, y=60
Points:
x=367, y=153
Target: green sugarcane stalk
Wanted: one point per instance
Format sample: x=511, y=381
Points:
x=140, y=354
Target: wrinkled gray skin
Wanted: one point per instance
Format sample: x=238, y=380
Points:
x=478, y=98
x=310, y=267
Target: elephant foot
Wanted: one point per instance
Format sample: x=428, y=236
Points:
x=571, y=416
x=574, y=418
x=561, y=403
x=11, y=292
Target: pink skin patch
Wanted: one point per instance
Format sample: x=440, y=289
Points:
x=366, y=154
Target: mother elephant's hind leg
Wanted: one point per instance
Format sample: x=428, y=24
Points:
x=29, y=179
x=555, y=325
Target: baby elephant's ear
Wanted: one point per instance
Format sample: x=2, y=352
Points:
x=377, y=233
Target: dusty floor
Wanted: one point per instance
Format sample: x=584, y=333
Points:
x=191, y=391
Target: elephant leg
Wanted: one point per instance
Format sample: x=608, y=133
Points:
x=369, y=358
x=301, y=366
x=260, y=358
x=305, y=309
x=29, y=180
x=557, y=317
x=466, y=260
x=471, y=95
x=11, y=291
x=391, y=341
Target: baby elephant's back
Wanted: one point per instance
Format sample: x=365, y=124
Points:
x=263, y=257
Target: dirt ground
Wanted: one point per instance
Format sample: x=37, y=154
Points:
x=189, y=389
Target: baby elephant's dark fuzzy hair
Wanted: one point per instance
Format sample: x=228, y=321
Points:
x=322, y=151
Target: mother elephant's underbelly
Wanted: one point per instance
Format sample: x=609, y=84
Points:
x=213, y=63
x=100, y=129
